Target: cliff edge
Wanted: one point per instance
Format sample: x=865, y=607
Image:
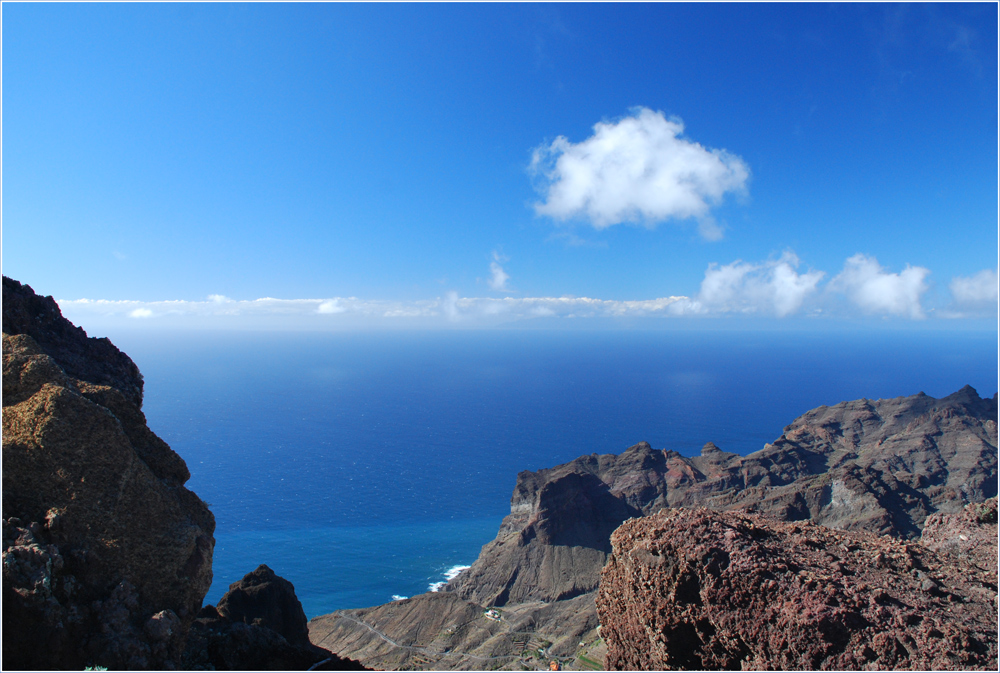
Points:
x=880, y=466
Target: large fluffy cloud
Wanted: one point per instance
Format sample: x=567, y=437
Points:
x=975, y=291
x=637, y=169
x=769, y=287
x=875, y=290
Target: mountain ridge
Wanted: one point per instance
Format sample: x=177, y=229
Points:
x=836, y=465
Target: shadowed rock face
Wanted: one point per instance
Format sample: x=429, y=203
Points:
x=260, y=625
x=268, y=599
x=106, y=555
x=698, y=589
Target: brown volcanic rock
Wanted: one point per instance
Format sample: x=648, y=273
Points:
x=698, y=589
x=107, y=556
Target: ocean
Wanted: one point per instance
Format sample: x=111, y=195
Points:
x=365, y=467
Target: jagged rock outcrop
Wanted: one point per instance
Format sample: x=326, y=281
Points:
x=81, y=357
x=107, y=556
x=700, y=589
x=878, y=466
x=259, y=624
x=262, y=596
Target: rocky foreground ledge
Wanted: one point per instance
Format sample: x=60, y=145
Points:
x=697, y=589
x=107, y=557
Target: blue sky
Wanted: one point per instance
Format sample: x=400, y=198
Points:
x=483, y=164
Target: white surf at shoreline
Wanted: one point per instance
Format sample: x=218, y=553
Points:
x=449, y=574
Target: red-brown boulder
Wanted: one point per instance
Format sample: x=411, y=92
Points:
x=700, y=589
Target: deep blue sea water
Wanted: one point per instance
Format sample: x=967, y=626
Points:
x=366, y=465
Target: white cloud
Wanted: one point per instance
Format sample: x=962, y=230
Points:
x=874, y=290
x=638, y=169
x=330, y=306
x=577, y=307
x=770, y=287
x=977, y=290
x=498, y=278
x=351, y=311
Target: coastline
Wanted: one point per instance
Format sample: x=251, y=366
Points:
x=320, y=561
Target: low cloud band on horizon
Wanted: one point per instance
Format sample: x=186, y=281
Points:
x=773, y=288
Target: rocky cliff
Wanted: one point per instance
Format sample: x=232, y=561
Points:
x=106, y=555
x=102, y=542
x=875, y=466
x=698, y=589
